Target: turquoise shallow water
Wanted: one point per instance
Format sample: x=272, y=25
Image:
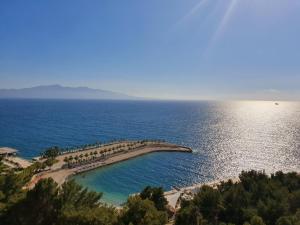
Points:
x=122, y=179
x=226, y=137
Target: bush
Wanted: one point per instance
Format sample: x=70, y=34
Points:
x=51, y=152
x=256, y=198
x=142, y=212
x=155, y=194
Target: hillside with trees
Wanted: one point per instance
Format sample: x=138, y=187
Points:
x=256, y=200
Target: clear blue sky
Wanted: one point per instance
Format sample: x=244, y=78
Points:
x=187, y=49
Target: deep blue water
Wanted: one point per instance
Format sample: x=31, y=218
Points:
x=226, y=137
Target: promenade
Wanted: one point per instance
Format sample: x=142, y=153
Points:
x=72, y=163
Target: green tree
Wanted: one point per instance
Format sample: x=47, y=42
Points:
x=50, y=161
x=209, y=202
x=235, y=200
x=142, y=212
x=66, y=159
x=81, y=156
x=39, y=207
x=284, y=220
x=47, y=204
x=71, y=158
x=189, y=215
x=256, y=220
x=289, y=220
x=51, y=152
x=155, y=194
x=294, y=200
x=74, y=196
x=96, y=216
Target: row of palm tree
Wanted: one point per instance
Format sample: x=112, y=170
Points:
x=100, y=154
x=92, y=156
x=98, y=144
x=81, y=147
x=106, y=149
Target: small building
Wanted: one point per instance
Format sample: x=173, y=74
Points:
x=5, y=151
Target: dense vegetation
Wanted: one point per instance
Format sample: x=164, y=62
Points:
x=71, y=204
x=51, y=152
x=256, y=200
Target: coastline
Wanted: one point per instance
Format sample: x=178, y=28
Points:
x=130, y=155
x=173, y=196
x=60, y=174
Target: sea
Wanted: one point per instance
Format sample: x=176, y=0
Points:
x=226, y=138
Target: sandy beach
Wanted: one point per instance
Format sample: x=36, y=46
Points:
x=174, y=195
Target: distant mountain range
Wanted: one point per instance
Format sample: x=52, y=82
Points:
x=61, y=92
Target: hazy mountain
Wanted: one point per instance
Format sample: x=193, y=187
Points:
x=60, y=92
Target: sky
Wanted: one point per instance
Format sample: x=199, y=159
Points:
x=168, y=49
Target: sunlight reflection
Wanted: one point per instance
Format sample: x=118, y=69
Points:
x=252, y=135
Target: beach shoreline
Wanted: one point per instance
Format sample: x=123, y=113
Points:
x=60, y=174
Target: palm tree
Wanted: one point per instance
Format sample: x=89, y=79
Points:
x=91, y=155
x=66, y=159
x=76, y=158
x=70, y=159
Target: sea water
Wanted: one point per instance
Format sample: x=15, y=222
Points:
x=226, y=137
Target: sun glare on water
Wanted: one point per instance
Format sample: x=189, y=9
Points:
x=265, y=124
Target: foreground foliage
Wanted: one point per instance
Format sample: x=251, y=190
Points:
x=142, y=212
x=256, y=200
x=156, y=195
x=70, y=204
